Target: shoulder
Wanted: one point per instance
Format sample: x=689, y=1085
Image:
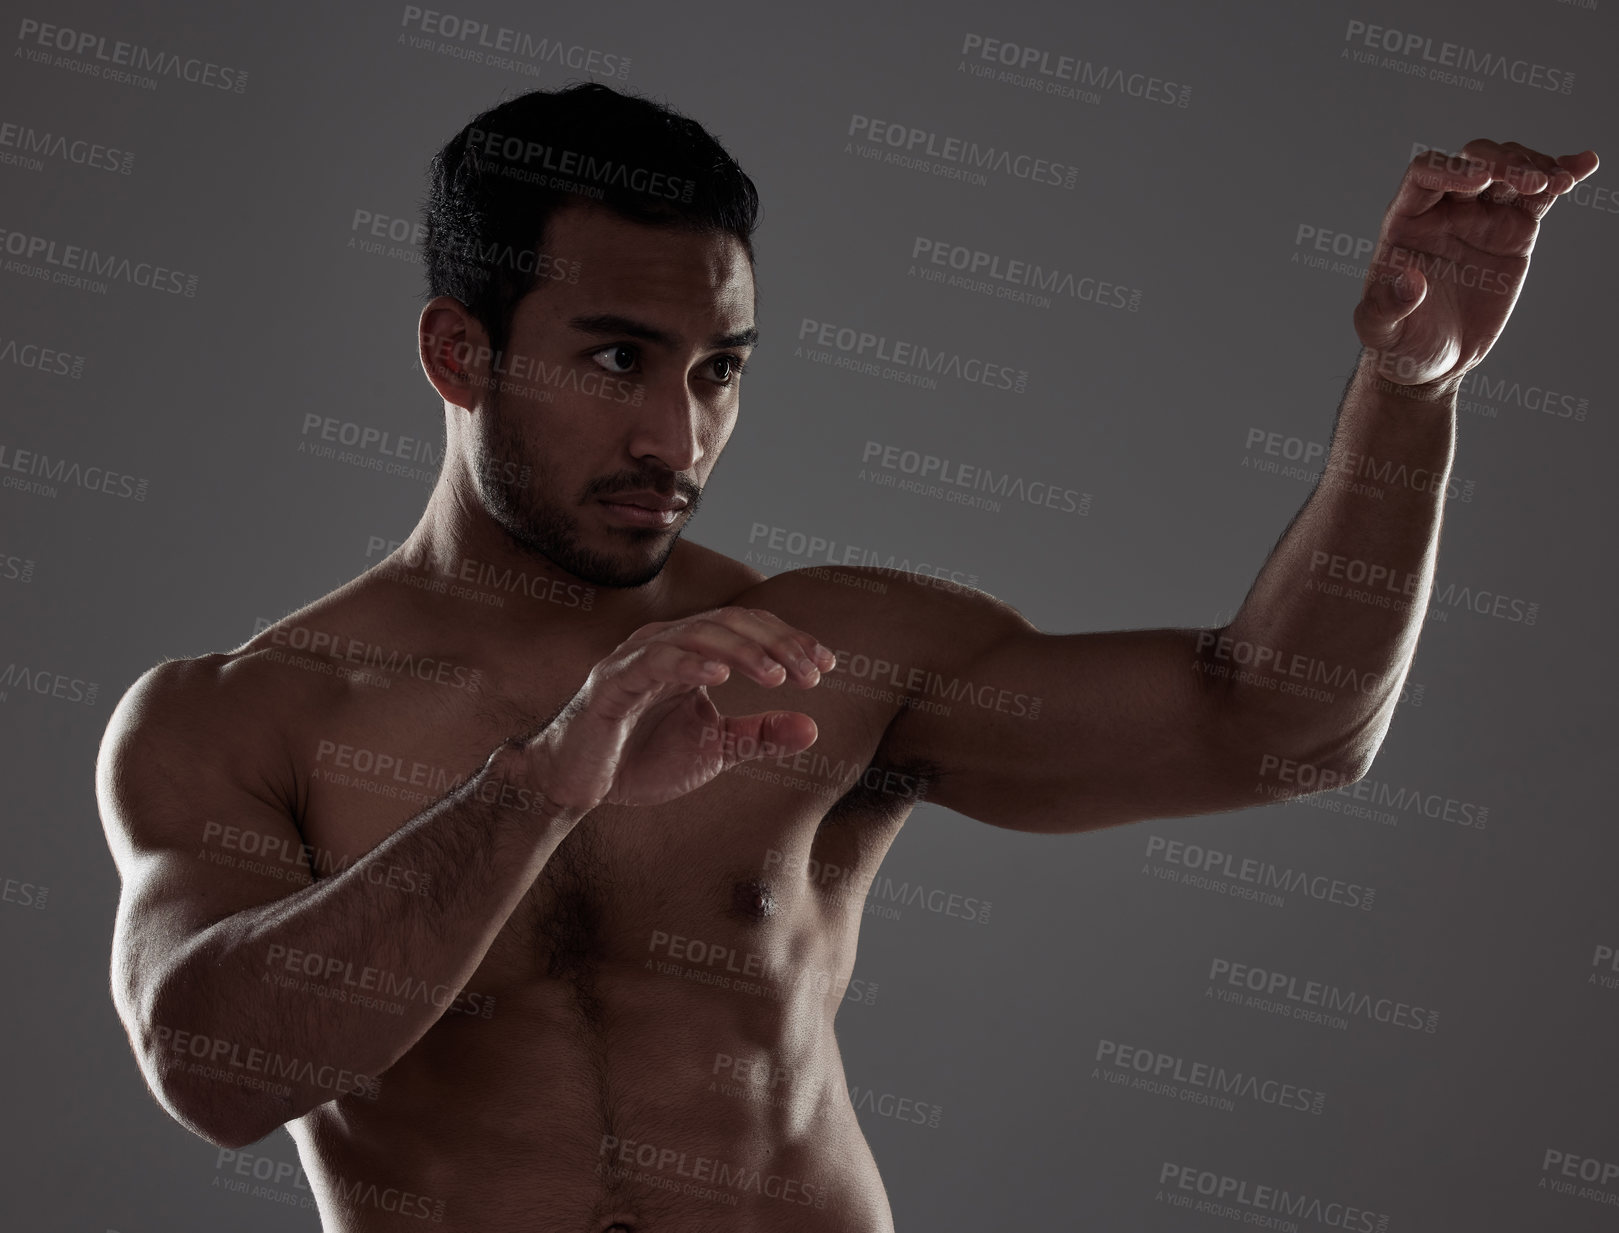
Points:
x=234, y=711
x=229, y=700
x=710, y=578
x=910, y=618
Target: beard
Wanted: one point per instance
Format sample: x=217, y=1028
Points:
x=543, y=526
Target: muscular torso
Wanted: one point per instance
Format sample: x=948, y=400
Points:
x=649, y=1040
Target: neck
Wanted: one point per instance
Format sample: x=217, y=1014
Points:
x=458, y=552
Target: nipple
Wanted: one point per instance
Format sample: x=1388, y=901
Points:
x=752, y=900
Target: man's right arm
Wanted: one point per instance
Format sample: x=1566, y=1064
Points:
x=201, y=943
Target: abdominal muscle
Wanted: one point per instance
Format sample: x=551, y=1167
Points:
x=651, y=1100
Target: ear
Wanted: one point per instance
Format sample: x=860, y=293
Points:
x=454, y=352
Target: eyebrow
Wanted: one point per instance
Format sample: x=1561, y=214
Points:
x=611, y=323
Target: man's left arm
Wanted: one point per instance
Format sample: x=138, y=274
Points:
x=1297, y=692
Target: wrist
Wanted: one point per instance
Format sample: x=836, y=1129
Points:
x=1377, y=373
x=516, y=779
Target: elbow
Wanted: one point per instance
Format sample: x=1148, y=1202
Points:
x=198, y=1077
x=231, y=1129
x=1347, y=765
x=201, y=1097
x=207, y=1107
x=1299, y=763
x=1351, y=755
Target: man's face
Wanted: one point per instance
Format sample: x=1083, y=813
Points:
x=617, y=393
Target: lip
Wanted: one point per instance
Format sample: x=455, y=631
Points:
x=645, y=509
x=648, y=500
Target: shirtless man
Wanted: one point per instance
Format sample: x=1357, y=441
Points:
x=530, y=907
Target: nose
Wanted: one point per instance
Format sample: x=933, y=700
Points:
x=671, y=426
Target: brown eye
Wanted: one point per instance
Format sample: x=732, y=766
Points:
x=618, y=353
x=726, y=367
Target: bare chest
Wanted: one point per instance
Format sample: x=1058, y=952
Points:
x=742, y=875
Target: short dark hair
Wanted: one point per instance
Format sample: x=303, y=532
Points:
x=493, y=188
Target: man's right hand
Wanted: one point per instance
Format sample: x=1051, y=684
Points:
x=642, y=730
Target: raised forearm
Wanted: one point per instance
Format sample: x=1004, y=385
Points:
x=278, y=1009
x=1313, y=661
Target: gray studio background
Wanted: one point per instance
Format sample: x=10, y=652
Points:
x=1199, y=208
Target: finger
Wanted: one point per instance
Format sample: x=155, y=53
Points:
x=821, y=656
x=1511, y=169
x=1391, y=295
x=766, y=734
x=1558, y=181
x=1432, y=174
x=1559, y=178
x=652, y=667
x=732, y=640
x=793, y=648
x=1579, y=165
x=1522, y=154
